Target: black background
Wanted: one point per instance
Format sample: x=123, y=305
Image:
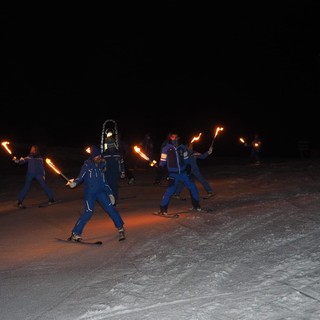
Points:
x=164, y=67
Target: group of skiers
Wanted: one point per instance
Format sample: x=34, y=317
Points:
x=101, y=172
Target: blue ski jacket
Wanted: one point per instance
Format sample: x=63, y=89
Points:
x=35, y=165
x=175, y=158
x=93, y=177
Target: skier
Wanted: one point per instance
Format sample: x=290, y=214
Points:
x=96, y=189
x=175, y=158
x=255, y=146
x=195, y=171
x=114, y=169
x=35, y=171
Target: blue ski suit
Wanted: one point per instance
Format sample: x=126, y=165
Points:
x=35, y=171
x=96, y=189
x=176, y=160
x=195, y=171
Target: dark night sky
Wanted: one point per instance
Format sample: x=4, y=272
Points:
x=179, y=67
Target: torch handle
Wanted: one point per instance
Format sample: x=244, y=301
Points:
x=211, y=145
x=64, y=177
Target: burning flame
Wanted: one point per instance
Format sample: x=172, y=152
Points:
x=138, y=150
x=196, y=138
x=48, y=161
x=242, y=140
x=5, y=145
x=217, y=131
x=257, y=145
x=142, y=155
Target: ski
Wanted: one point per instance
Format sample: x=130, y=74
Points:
x=206, y=210
x=208, y=196
x=20, y=207
x=47, y=204
x=191, y=210
x=181, y=199
x=169, y=215
x=79, y=242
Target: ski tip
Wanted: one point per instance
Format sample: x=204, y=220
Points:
x=208, y=196
x=170, y=215
x=68, y=240
x=48, y=204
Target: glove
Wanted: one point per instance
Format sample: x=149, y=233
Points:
x=15, y=160
x=71, y=183
x=170, y=181
x=210, y=150
x=122, y=175
x=112, y=198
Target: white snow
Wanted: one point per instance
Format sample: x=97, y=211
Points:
x=256, y=255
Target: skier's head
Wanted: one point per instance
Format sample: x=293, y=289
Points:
x=174, y=139
x=94, y=152
x=34, y=150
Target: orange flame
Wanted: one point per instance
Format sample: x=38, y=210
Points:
x=48, y=161
x=5, y=145
x=257, y=145
x=152, y=163
x=217, y=131
x=138, y=150
x=242, y=140
x=196, y=138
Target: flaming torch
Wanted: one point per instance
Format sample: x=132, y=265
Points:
x=5, y=146
x=196, y=138
x=152, y=163
x=215, y=135
x=48, y=161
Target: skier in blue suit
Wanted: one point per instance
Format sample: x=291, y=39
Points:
x=195, y=171
x=96, y=189
x=175, y=157
x=36, y=171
